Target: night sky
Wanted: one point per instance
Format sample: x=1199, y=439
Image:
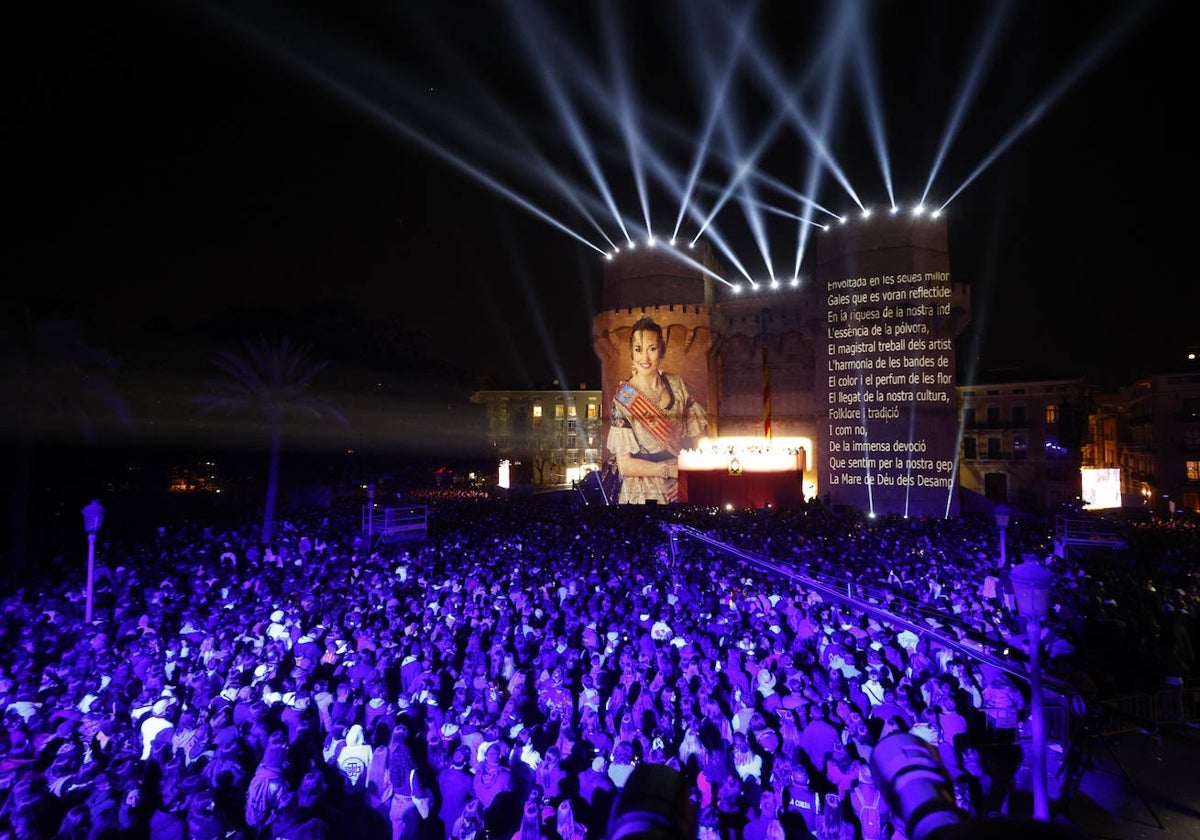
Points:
x=177, y=165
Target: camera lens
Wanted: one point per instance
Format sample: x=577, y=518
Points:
x=916, y=784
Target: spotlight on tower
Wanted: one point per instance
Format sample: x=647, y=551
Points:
x=866, y=213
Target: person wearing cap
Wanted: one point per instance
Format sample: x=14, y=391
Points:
x=872, y=687
x=597, y=790
x=279, y=628
x=801, y=803
x=768, y=699
x=870, y=806
x=157, y=726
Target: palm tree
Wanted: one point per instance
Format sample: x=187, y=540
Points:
x=270, y=380
x=60, y=389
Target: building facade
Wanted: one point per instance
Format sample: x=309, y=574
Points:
x=1022, y=442
x=1156, y=424
x=548, y=437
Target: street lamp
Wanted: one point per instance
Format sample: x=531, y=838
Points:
x=93, y=518
x=1031, y=585
x=1002, y=514
x=371, y=509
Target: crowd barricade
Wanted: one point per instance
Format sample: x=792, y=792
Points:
x=1171, y=706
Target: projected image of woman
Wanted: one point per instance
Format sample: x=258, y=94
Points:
x=653, y=418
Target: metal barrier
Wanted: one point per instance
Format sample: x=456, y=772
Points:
x=1058, y=695
x=396, y=523
x=1136, y=712
x=1089, y=533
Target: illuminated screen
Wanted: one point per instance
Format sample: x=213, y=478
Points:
x=1101, y=488
x=886, y=368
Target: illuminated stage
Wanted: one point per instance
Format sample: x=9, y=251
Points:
x=745, y=473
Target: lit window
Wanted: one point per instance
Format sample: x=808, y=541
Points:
x=537, y=410
x=1051, y=413
x=558, y=411
x=1193, y=470
x=593, y=411
x=571, y=411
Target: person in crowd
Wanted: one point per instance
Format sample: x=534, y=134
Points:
x=469, y=825
x=492, y=778
x=455, y=783
x=567, y=826
x=509, y=598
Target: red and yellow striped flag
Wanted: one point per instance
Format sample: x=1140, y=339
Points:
x=766, y=373
x=649, y=416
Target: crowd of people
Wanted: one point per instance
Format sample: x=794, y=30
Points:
x=506, y=675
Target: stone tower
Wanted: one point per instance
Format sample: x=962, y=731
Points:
x=887, y=430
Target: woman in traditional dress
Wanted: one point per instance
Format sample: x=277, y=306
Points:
x=653, y=417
